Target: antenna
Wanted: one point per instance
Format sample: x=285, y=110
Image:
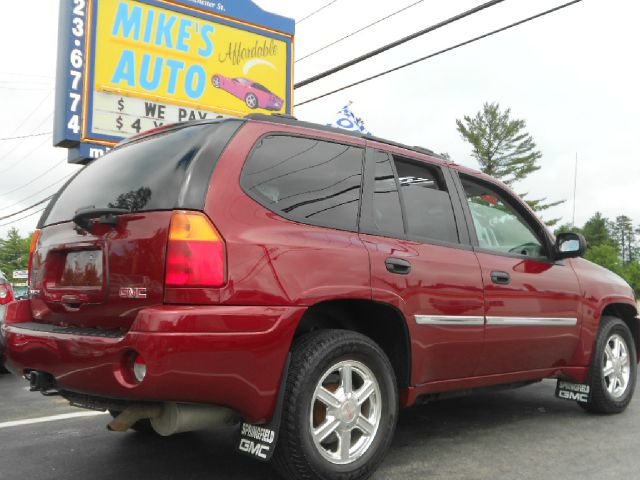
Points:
x=575, y=187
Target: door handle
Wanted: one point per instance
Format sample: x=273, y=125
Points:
x=398, y=265
x=501, y=278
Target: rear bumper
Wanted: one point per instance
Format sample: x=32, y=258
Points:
x=226, y=355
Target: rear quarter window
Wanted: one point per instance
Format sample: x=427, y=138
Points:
x=307, y=180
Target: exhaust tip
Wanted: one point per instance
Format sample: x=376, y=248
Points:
x=41, y=381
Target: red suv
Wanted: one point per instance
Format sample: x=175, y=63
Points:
x=306, y=282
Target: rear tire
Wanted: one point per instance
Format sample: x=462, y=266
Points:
x=340, y=409
x=613, y=372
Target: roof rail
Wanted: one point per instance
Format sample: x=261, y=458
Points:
x=291, y=120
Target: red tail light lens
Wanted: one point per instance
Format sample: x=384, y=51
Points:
x=32, y=250
x=4, y=291
x=196, y=252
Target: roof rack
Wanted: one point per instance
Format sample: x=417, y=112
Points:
x=291, y=120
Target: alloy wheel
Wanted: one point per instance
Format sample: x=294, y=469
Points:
x=345, y=412
x=616, y=366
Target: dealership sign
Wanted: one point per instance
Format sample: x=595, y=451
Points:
x=127, y=66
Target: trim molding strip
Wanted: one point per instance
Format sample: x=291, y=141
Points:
x=448, y=320
x=531, y=321
x=466, y=321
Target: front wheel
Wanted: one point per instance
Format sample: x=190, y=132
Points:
x=612, y=377
x=340, y=409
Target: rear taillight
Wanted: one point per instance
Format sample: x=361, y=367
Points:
x=196, y=252
x=32, y=250
x=4, y=292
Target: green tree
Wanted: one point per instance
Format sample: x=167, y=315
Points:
x=503, y=148
x=632, y=275
x=14, y=252
x=567, y=228
x=605, y=256
x=597, y=231
x=624, y=235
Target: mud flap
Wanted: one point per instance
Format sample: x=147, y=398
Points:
x=259, y=441
x=579, y=392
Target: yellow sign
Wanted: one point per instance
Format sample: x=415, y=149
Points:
x=154, y=63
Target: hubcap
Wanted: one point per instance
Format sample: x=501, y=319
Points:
x=616, y=366
x=252, y=101
x=345, y=412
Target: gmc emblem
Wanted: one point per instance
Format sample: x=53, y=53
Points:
x=133, y=292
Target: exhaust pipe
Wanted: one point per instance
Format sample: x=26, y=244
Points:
x=171, y=418
x=183, y=417
x=131, y=415
x=42, y=382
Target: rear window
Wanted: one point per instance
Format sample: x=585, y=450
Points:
x=142, y=176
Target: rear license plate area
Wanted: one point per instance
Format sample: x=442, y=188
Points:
x=82, y=269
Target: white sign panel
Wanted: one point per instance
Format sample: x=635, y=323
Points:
x=20, y=274
x=123, y=116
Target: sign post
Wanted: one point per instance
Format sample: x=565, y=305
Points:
x=127, y=66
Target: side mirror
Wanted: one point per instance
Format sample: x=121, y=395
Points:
x=569, y=245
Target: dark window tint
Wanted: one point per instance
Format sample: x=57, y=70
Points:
x=307, y=180
x=428, y=209
x=387, y=214
x=260, y=87
x=142, y=176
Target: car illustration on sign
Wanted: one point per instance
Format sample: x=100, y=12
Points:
x=254, y=94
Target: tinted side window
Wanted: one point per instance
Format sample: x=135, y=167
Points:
x=387, y=213
x=428, y=209
x=307, y=180
x=498, y=226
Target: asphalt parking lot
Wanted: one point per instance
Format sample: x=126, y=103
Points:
x=517, y=434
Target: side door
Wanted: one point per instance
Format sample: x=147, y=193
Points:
x=532, y=303
x=423, y=264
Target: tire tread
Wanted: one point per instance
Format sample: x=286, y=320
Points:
x=599, y=401
x=288, y=458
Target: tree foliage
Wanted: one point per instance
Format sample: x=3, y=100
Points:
x=14, y=252
x=613, y=245
x=625, y=236
x=500, y=144
x=504, y=149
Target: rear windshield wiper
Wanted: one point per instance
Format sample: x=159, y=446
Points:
x=108, y=216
